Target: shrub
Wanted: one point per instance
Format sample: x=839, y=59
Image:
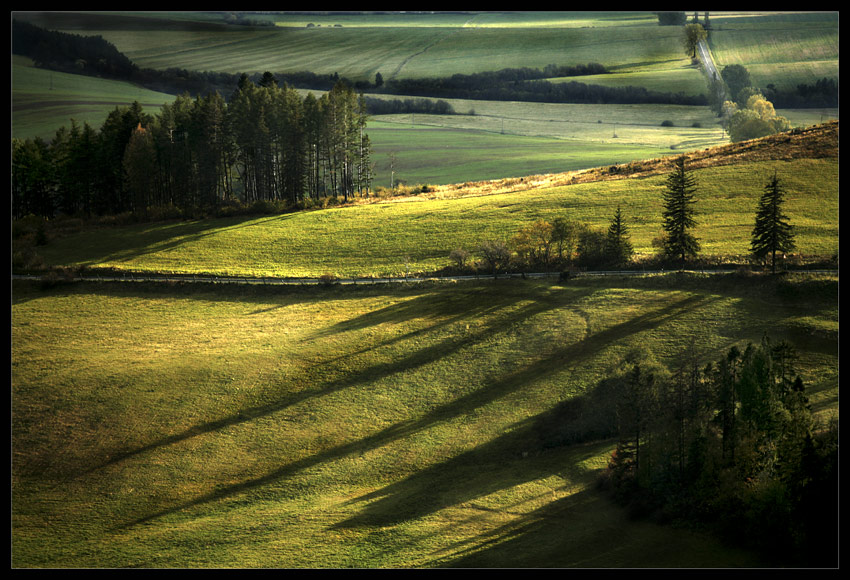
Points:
x=328, y=279
x=460, y=257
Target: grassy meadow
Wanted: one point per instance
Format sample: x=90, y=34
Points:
x=187, y=426
x=388, y=237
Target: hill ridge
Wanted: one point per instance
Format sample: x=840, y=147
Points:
x=814, y=142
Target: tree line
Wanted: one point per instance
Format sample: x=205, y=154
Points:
x=267, y=145
x=474, y=87
x=563, y=244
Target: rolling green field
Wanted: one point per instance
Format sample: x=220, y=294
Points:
x=379, y=239
x=783, y=49
x=408, y=46
x=185, y=426
x=395, y=426
x=501, y=139
x=779, y=48
x=43, y=100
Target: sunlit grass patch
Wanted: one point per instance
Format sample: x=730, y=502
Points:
x=160, y=426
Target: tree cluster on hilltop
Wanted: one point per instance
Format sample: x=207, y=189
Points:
x=267, y=145
x=563, y=244
x=61, y=51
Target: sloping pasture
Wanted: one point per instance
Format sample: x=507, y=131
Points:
x=390, y=237
x=184, y=426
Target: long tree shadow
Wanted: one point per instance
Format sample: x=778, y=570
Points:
x=588, y=530
x=474, y=309
x=161, y=237
x=446, y=310
x=425, y=491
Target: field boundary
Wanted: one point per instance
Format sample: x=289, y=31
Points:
x=358, y=281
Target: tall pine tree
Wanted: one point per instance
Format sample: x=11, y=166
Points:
x=679, y=214
x=618, y=247
x=772, y=233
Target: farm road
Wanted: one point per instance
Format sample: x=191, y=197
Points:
x=710, y=67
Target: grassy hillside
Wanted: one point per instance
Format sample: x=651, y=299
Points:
x=221, y=426
x=386, y=237
x=43, y=100
x=158, y=426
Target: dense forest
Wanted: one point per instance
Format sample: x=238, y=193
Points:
x=266, y=145
x=730, y=446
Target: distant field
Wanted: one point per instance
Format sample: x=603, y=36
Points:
x=500, y=140
x=783, y=49
x=388, y=238
x=438, y=154
x=513, y=19
x=163, y=427
x=412, y=48
x=512, y=139
x=662, y=77
x=43, y=101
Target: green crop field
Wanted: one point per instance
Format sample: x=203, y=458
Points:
x=406, y=46
x=444, y=151
x=782, y=49
x=43, y=100
x=388, y=238
x=355, y=427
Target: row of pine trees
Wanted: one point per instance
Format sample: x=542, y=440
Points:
x=266, y=143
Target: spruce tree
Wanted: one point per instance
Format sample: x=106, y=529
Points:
x=618, y=247
x=772, y=232
x=679, y=214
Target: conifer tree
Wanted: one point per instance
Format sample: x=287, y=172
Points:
x=772, y=233
x=679, y=214
x=618, y=246
x=140, y=168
